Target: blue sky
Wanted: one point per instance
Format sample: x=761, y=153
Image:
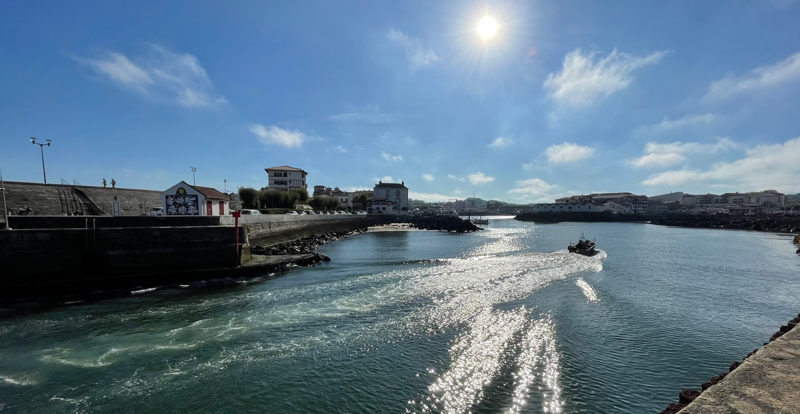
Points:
x=568, y=97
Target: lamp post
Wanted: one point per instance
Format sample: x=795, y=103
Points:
x=225, y=185
x=41, y=148
x=194, y=169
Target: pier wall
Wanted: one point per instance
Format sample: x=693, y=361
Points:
x=276, y=228
x=77, y=258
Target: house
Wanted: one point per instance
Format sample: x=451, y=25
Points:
x=389, y=198
x=183, y=199
x=582, y=207
x=285, y=177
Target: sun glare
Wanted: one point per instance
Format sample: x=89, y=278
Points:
x=487, y=27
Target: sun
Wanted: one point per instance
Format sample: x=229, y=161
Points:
x=487, y=27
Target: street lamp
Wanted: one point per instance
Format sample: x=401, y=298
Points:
x=194, y=169
x=225, y=181
x=41, y=148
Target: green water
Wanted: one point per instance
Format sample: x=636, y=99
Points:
x=497, y=321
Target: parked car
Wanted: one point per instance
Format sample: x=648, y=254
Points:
x=250, y=212
x=291, y=213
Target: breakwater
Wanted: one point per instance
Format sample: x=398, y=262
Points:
x=269, y=229
x=766, y=380
x=557, y=217
x=773, y=223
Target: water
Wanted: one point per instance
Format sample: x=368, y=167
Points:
x=497, y=321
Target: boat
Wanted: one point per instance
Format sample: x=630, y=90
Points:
x=584, y=246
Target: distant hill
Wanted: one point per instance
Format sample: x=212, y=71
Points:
x=792, y=199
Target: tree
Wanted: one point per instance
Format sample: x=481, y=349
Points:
x=362, y=199
x=302, y=194
x=249, y=197
x=323, y=202
x=278, y=198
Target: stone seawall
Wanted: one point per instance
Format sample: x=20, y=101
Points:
x=270, y=229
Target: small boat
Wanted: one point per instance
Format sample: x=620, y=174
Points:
x=584, y=246
x=480, y=221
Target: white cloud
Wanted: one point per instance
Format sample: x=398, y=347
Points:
x=455, y=177
x=431, y=197
x=534, y=190
x=391, y=158
x=658, y=160
x=501, y=142
x=479, y=178
x=568, y=152
x=341, y=149
x=370, y=117
x=764, y=166
x=673, y=153
x=762, y=77
x=427, y=177
x=583, y=79
x=417, y=53
x=160, y=75
x=274, y=135
x=667, y=124
x=528, y=166
x=385, y=179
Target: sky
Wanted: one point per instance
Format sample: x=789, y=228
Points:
x=567, y=97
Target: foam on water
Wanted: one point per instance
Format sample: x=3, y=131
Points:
x=587, y=290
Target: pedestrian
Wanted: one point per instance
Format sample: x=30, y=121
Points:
x=104, y=183
x=113, y=183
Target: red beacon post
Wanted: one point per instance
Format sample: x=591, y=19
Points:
x=236, y=215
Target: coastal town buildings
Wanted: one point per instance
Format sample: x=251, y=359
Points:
x=287, y=178
x=345, y=198
x=183, y=199
x=389, y=198
x=617, y=203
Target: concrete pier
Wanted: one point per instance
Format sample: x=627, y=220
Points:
x=766, y=382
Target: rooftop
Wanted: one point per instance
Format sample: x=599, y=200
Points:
x=395, y=185
x=210, y=193
x=284, y=168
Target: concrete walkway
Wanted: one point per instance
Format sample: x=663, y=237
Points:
x=767, y=382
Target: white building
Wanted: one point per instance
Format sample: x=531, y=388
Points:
x=767, y=198
x=285, y=177
x=569, y=208
x=389, y=198
x=183, y=199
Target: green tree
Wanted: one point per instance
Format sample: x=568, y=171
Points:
x=278, y=198
x=323, y=202
x=249, y=197
x=302, y=194
x=362, y=199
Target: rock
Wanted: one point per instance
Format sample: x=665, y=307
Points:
x=688, y=395
x=713, y=381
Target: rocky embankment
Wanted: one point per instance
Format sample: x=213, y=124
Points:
x=772, y=223
x=686, y=396
x=304, y=245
